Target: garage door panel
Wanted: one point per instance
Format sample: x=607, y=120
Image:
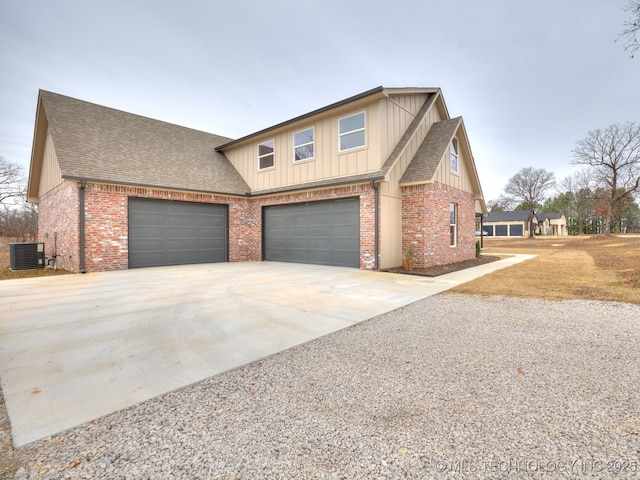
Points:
x=182, y=221
x=144, y=244
x=181, y=258
x=324, y=232
x=149, y=219
x=501, y=230
x=165, y=232
x=320, y=257
x=146, y=232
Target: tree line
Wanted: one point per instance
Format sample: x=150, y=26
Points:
x=598, y=198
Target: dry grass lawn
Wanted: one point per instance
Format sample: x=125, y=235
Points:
x=577, y=267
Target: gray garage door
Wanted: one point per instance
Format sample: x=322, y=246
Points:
x=515, y=230
x=501, y=230
x=322, y=233
x=163, y=232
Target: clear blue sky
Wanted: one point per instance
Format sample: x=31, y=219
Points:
x=530, y=78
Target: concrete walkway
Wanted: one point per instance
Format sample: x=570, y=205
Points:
x=74, y=348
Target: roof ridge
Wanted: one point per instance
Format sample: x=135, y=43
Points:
x=117, y=110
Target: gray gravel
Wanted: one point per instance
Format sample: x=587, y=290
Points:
x=453, y=386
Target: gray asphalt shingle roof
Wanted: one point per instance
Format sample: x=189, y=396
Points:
x=100, y=143
x=551, y=216
x=513, y=216
x=425, y=162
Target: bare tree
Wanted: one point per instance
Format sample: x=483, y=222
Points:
x=632, y=26
x=528, y=187
x=19, y=221
x=578, y=186
x=11, y=182
x=613, y=156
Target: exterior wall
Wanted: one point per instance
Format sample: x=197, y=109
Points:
x=386, y=120
x=556, y=226
x=50, y=175
x=106, y=221
x=327, y=162
x=396, y=113
x=425, y=224
x=58, y=214
x=460, y=180
x=391, y=203
x=559, y=226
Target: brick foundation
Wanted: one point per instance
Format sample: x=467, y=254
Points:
x=425, y=224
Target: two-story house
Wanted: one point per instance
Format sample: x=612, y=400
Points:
x=352, y=184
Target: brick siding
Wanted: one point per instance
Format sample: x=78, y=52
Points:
x=425, y=224
x=106, y=221
x=58, y=214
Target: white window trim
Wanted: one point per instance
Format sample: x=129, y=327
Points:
x=363, y=129
x=312, y=142
x=454, y=225
x=266, y=155
x=456, y=146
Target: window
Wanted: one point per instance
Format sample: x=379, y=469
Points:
x=266, y=156
x=303, y=145
x=453, y=155
x=351, y=131
x=453, y=224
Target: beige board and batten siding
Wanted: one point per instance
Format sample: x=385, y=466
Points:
x=327, y=162
x=50, y=174
x=385, y=122
x=397, y=112
x=460, y=180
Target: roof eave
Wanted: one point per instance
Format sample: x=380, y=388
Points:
x=37, y=152
x=318, y=186
x=78, y=178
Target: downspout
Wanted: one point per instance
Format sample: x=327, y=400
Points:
x=83, y=185
x=376, y=202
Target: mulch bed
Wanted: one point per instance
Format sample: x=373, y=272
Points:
x=437, y=270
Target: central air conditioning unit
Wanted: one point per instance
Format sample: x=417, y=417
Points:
x=26, y=255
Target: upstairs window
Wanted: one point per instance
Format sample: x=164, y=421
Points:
x=266, y=155
x=453, y=155
x=453, y=224
x=351, y=131
x=303, y=145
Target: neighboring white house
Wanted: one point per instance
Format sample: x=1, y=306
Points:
x=552, y=224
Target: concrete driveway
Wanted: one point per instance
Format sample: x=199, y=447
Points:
x=74, y=348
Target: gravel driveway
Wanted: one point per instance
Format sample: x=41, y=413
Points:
x=451, y=386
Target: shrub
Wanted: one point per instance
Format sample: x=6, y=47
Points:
x=409, y=261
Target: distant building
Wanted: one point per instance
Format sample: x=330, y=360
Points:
x=508, y=224
x=552, y=224
x=516, y=224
